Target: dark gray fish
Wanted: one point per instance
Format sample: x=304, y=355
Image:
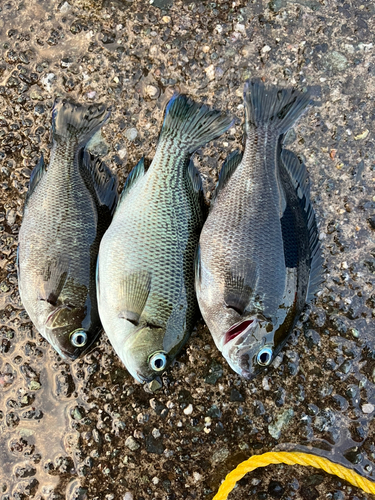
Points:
x=146, y=295
x=68, y=208
x=259, y=258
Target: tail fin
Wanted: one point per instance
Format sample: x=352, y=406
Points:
x=77, y=122
x=278, y=108
x=191, y=124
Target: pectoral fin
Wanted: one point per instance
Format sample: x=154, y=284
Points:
x=134, y=292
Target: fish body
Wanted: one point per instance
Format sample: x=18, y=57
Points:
x=259, y=258
x=145, y=275
x=68, y=207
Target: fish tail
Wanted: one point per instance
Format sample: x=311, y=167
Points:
x=192, y=124
x=277, y=108
x=77, y=122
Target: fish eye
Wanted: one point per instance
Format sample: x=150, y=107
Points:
x=158, y=361
x=264, y=356
x=78, y=338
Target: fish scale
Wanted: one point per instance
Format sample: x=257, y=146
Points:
x=145, y=274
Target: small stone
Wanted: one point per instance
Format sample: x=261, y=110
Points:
x=154, y=385
x=34, y=385
x=210, y=72
x=188, y=410
x=122, y=153
x=215, y=372
x=156, y=433
x=154, y=445
x=362, y=135
x=47, y=80
x=151, y=91
x=275, y=489
x=236, y=396
x=65, y=7
x=368, y=408
x=275, y=428
x=128, y=496
x=220, y=455
x=166, y=19
x=131, y=134
x=91, y=95
x=131, y=443
x=266, y=49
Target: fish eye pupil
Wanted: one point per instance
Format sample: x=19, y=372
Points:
x=78, y=338
x=264, y=356
x=158, y=361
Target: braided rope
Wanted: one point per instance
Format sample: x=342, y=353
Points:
x=291, y=458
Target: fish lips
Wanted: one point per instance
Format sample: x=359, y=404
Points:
x=242, y=343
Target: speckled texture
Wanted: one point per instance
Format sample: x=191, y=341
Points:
x=86, y=430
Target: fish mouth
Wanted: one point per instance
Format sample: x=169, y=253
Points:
x=238, y=329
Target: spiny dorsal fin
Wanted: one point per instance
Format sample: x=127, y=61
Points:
x=103, y=181
x=134, y=292
x=37, y=173
x=137, y=172
x=300, y=179
x=229, y=166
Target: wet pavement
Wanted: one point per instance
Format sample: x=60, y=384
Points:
x=86, y=430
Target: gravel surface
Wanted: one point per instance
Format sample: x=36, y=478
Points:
x=86, y=430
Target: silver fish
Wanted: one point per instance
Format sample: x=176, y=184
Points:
x=259, y=258
x=145, y=273
x=68, y=208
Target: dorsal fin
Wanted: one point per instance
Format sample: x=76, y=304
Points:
x=137, y=172
x=38, y=171
x=300, y=179
x=195, y=177
x=229, y=166
x=103, y=181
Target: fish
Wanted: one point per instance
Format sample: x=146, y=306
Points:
x=68, y=207
x=145, y=275
x=259, y=258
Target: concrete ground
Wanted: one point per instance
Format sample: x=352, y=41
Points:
x=85, y=430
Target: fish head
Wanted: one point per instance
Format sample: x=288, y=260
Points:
x=67, y=331
x=143, y=353
x=249, y=345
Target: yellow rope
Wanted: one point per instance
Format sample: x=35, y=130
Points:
x=291, y=458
